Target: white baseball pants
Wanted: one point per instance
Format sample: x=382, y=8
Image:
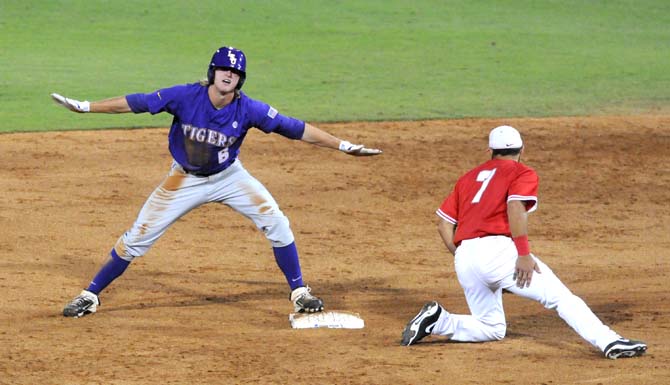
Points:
x=180, y=193
x=485, y=266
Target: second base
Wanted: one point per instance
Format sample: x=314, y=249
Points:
x=326, y=319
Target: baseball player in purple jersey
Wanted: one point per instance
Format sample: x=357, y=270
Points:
x=211, y=120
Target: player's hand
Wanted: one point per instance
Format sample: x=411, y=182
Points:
x=358, y=149
x=71, y=104
x=523, y=272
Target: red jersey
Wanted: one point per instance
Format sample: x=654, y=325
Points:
x=478, y=203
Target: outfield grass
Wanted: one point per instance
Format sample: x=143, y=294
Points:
x=340, y=60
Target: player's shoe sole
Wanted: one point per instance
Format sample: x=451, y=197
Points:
x=623, y=348
x=422, y=324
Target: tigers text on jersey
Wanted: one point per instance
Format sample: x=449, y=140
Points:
x=478, y=202
x=206, y=140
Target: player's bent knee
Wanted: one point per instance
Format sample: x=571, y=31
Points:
x=127, y=251
x=278, y=232
x=499, y=334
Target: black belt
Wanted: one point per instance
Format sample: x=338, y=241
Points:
x=204, y=174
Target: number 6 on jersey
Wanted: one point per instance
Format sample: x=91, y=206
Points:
x=223, y=155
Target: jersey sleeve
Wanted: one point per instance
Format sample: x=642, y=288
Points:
x=268, y=119
x=137, y=103
x=449, y=208
x=524, y=188
x=163, y=100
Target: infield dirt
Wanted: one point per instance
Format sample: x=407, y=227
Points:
x=208, y=305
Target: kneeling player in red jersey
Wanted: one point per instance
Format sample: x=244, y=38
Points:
x=484, y=224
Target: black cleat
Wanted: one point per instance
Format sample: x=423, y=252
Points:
x=304, y=302
x=625, y=348
x=83, y=304
x=422, y=325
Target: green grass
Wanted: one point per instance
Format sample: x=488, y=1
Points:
x=340, y=60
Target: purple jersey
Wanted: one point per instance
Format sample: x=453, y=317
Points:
x=203, y=139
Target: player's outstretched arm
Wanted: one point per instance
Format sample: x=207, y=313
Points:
x=321, y=138
x=115, y=105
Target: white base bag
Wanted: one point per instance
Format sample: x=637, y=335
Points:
x=326, y=319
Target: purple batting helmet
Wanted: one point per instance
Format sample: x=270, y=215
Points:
x=231, y=58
